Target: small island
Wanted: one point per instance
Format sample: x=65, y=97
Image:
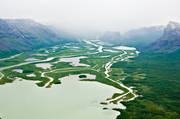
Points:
x=82, y=76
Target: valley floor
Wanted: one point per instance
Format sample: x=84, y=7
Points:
x=48, y=66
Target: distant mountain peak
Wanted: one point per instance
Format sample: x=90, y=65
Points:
x=169, y=41
x=17, y=35
x=172, y=26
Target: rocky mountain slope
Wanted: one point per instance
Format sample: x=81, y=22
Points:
x=169, y=41
x=17, y=35
x=137, y=37
x=142, y=36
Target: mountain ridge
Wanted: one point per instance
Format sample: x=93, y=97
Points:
x=136, y=37
x=17, y=35
x=168, y=42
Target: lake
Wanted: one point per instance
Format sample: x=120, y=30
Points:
x=72, y=99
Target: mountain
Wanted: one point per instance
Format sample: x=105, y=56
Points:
x=142, y=36
x=110, y=37
x=137, y=37
x=62, y=32
x=17, y=35
x=169, y=41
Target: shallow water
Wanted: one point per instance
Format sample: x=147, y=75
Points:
x=72, y=99
x=31, y=59
x=75, y=61
x=18, y=70
x=44, y=65
x=100, y=49
x=113, y=51
x=31, y=75
x=124, y=48
x=40, y=54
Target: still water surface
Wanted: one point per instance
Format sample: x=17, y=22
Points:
x=72, y=99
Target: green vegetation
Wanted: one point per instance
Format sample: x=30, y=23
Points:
x=82, y=76
x=157, y=79
x=154, y=76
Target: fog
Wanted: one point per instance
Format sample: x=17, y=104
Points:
x=115, y=15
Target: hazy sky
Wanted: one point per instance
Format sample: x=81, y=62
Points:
x=119, y=15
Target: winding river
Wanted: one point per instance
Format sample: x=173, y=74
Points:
x=73, y=99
